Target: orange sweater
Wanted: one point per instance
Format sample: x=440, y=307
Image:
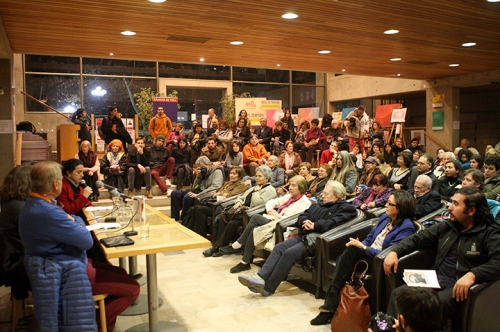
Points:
x=254, y=155
x=160, y=126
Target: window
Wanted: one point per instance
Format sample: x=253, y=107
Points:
x=119, y=67
x=194, y=71
x=57, y=91
x=261, y=75
x=51, y=64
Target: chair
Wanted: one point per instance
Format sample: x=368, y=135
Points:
x=315, y=275
x=99, y=300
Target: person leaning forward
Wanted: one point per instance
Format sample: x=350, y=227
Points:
x=468, y=250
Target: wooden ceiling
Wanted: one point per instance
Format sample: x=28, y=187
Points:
x=430, y=38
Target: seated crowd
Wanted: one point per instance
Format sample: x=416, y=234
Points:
x=228, y=169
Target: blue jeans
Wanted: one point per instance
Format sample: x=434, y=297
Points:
x=180, y=200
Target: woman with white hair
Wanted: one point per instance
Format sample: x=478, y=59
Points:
x=331, y=211
x=225, y=231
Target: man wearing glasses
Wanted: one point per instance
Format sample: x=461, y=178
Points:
x=160, y=124
x=428, y=200
x=424, y=166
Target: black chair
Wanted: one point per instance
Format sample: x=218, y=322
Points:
x=216, y=206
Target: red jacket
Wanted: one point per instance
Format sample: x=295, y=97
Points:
x=72, y=202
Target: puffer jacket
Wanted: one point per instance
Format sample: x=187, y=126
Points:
x=492, y=187
x=63, y=295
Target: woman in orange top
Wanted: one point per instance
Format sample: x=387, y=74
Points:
x=254, y=155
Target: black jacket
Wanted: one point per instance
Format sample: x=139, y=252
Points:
x=478, y=249
x=427, y=203
x=264, y=134
x=326, y=216
x=448, y=186
x=134, y=159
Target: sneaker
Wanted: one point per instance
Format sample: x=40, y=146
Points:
x=322, y=319
x=255, y=283
x=210, y=251
x=239, y=268
x=149, y=194
x=229, y=250
x=167, y=181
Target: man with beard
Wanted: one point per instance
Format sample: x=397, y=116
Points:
x=468, y=250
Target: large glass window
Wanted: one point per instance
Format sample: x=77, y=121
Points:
x=194, y=71
x=308, y=96
x=51, y=64
x=99, y=93
x=310, y=78
x=269, y=91
x=119, y=67
x=57, y=91
x=261, y=75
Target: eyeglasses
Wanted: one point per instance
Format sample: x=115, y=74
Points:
x=390, y=204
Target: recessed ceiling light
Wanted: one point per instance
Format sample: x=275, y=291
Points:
x=454, y=65
x=398, y=74
x=468, y=44
x=202, y=59
x=236, y=42
x=289, y=16
x=343, y=70
x=157, y=1
x=391, y=32
x=396, y=59
x=324, y=52
x=278, y=65
x=128, y=33
x=493, y=0
x=111, y=54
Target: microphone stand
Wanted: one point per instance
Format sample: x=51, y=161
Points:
x=140, y=210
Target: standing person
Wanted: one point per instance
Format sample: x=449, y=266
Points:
x=468, y=250
x=330, y=212
x=254, y=155
x=55, y=244
x=114, y=165
x=80, y=118
x=13, y=194
x=160, y=164
x=345, y=172
x=91, y=167
x=207, y=178
x=182, y=167
x=160, y=124
x=313, y=141
x=264, y=133
x=211, y=117
x=393, y=226
x=357, y=123
x=112, y=128
x=138, y=167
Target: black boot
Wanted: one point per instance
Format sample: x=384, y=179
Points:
x=210, y=251
x=322, y=319
x=331, y=300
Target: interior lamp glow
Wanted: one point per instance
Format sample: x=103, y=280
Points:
x=98, y=92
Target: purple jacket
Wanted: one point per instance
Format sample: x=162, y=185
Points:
x=396, y=234
x=380, y=200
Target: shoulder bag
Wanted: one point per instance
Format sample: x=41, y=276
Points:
x=353, y=313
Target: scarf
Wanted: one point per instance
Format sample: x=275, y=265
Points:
x=290, y=201
x=88, y=160
x=114, y=158
x=315, y=184
x=289, y=160
x=373, y=196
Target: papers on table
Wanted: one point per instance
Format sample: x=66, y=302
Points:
x=101, y=225
x=421, y=278
x=98, y=208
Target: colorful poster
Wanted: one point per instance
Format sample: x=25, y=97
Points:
x=337, y=116
x=398, y=115
x=273, y=115
x=252, y=106
x=346, y=111
x=269, y=105
x=169, y=105
x=308, y=114
x=383, y=114
x=438, y=120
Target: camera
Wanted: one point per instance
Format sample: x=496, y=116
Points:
x=382, y=322
x=203, y=171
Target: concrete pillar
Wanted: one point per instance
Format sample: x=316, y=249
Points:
x=6, y=114
x=448, y=137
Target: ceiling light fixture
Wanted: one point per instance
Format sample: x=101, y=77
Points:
x=493, y=0
x=454, y=64
x=398, y=74
x=468, y=44
x=391, y=31
x=343, y=70
x=324, y=52
x=289, y=16
x=157, y=1
x=396, y=59
x=236, y=42
x=278, y=65
x=128, y=33
x=111, y=54
x=202, y=59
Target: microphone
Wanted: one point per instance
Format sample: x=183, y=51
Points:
x=115, y=193
x=101, y=184
x=83, y=184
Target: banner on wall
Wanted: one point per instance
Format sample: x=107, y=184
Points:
x=252, y=106
x=271, y=109
x=383, y=114
x=337, y=116
x=168, y=104
x=346, y=111
x=308, y=114
x=273, y=115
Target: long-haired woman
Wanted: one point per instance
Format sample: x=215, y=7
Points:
x=345, y=172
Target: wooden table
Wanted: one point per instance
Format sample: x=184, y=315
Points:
x=165, y=234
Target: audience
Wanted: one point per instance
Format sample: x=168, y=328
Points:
x=319, y=183
x=374, y=196
x=161, y=164
x=313, y=139
x=114, y=165
x=345, y=172
x=91, y=167
x=331, y=211
x=450, y=183
x=393, y=226
x=428, y=200
x=492, y=174
x=264, y=133
x=400, y=174
x=254, y=155
x=139, y=172
x=289, y=160
x=181, y=153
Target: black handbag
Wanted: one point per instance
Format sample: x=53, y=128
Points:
x=230, y=213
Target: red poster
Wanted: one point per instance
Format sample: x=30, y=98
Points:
x=383, y=114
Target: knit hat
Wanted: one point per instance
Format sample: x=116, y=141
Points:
x=372, y=160
x=160, y=137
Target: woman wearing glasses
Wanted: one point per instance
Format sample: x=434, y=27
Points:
x=393, y=226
